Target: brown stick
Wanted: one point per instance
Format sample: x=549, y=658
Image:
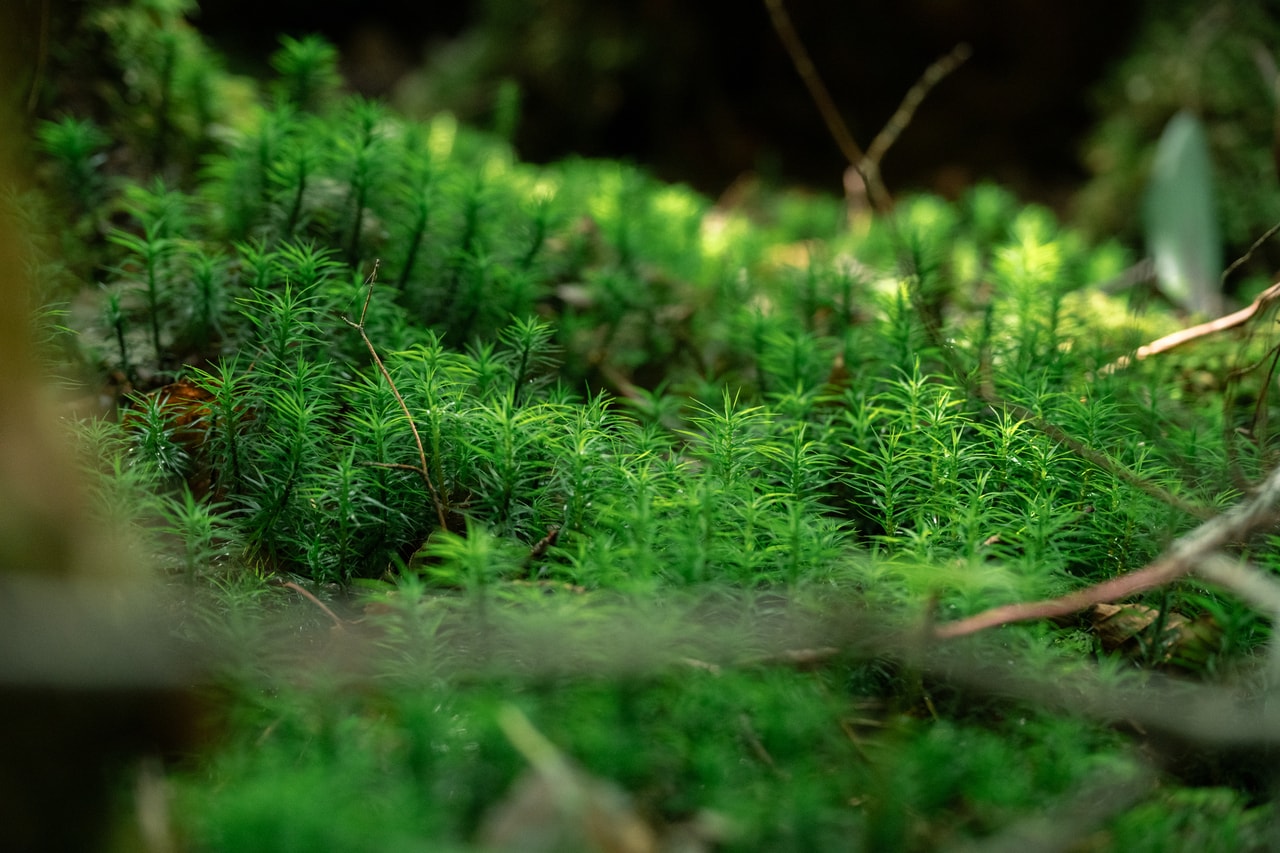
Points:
x=422, y=468
x=1184, y=336
x=1177, y=339
x=822, y=98
x=1096, y=457
x=1180, y=558
x=911, y=101
x=305, y=593
x=866, y=164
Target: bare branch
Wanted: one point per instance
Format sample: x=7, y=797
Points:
x=338, y=623
x=866, y=164
x=901, y=117
x=1185, y=336
x=1183, y=556
x=1245, y=580
x=826, y=106
x=422, y=469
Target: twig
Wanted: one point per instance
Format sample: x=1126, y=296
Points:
x=1200, y=330
x=1182, y=557
x=801, y=658
x=305, y=593
x=539, y=549
x=1230, y=321
x=422, y=468
x=984, y=388
x=822, y=99
x=1257, y=244
x=901, y=117
x=1112, y=466
x=757, y=746
x=1244, y=579
x=1256, y=588
x=1142, y=272
x=866, y=164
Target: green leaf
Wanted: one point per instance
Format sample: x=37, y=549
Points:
x=1181, y=220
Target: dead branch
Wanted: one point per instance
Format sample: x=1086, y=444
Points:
x=422, y=469
x=901, y=117
x=1182, y=557
x=1230, y=321
x=1244, y=579
x=338, y=622
x=866, y=164
x=822, y=99
x=1200, y=330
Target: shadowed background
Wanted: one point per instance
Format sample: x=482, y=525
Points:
x=703, y=92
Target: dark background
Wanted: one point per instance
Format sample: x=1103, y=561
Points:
x=703, y=92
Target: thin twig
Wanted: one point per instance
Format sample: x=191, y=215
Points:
x=1257, y=244
x=1246, y=580
x=1183, y=556
x=901, y=117
x=801, y=658
x=1256, y=587
x=1114, y=467
x=1143, y=272
x=866, y=164
x=822, y=99
x=423, y=470
x=540, y=548
x=1200, y=330
x=757, y=746
x=307, y=594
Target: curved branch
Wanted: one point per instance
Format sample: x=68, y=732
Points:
x=1182, y=557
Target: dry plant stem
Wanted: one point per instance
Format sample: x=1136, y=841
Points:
x=1184, y=336
x=822, y=98
x=1257, y=588
x=1183, y=556
x=983, y=388
x=866, y=164
x=901, y=117
x=1102, y=460
x=1230, y=321
x=422, y=468
x=1244, y=579
x=1257, y=244
x=757, y=746
x=337, y=620
x=1142, y=272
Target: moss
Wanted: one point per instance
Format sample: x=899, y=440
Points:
x=680, y=488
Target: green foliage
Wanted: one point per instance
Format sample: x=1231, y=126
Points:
x=75, y=148
x=308, y=69
x=174, y=87
x=584, y=444
x=1181, y=223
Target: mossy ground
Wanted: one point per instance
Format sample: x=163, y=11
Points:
x=563, y=455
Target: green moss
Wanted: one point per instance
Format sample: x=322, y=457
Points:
x=679, y=488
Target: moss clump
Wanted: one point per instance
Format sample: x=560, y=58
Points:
x=682, y=486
